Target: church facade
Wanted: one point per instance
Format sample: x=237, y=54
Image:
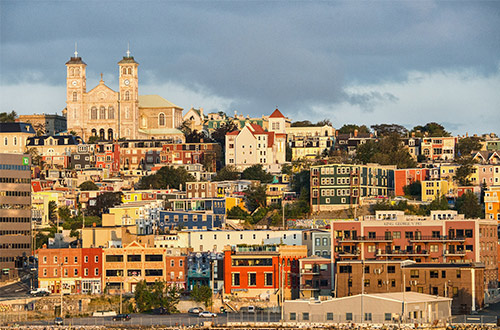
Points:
x=113, y=115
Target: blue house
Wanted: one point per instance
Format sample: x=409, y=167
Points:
x=202, y=213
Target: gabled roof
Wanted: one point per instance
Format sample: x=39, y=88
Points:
x=233, y=133
x=155, y=101
x=276, y=114
x=256, y=129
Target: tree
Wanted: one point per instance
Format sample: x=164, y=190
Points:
x=93, y=139
x=159, y=294
x=237, y=212
x=389, y=129
x=104, y=201
x=88, y=185
x=255, y=197
x=462, y=174
x=202, y=294
x=439, y=203
x=36, y=159
x=143, y=296
x=350, y=128
x=467, y=145
x=468, y=204
x=219, y=134
x=228, y=172
x=430, y=129
x=64, y=213
x=303, y=123
x=256, y=172
x=8, y=117
x=389, y=150
x=414, y=189
x=166, y=177
x=52, y=210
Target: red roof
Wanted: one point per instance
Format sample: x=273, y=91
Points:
x=276, y=114
x=257, y=129
x=270, y=139
x=233, y=133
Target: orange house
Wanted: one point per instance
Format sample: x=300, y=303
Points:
x=405, y=177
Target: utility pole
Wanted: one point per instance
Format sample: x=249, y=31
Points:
x=61, y=284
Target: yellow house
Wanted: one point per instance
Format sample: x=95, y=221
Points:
x=492, y=203
x=448, y=171
x=434, y=188
x=274, y=192
x=235, y=201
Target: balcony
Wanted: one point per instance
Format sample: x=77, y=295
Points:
x=348, y=253
x=438, y=239
x=360, y=239
x=402, y=253
x=307, y=287
x=309, y=271
x=455, y=253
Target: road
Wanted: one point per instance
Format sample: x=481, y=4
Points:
x=166, y=320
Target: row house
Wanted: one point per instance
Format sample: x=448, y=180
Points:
x=442, y=237
x=205, y=268
x=124, y=267
x=485, y=174
x=72, y=270
x=349, y=142
x=337, y=186
x=253, y=145
x=142, y=154
x=202, y=189
x=310, y=142
x=107, y=155
x=412, y=144
x=487, y=157
x=266, y=272
x=318, y=242
x=55, y=150
x=438, y=148
x=206, y=213
x=315, y=277
x=84, y=157
x=463, y=282
x=492, y=203
x=191, y=153
x=405, y=177
x=197, y=171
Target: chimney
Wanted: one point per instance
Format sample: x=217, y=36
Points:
x=355, y=133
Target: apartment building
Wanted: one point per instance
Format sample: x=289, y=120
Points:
x=15, y=213
x=263, y=271
x=13, y=137
x=337, y=186
x=46, y=124
x=315, y=277
x=191, y=153
x=310, y=142
x=438, y=148
x=442, y=237
x=202, y=189
x=318, y=242
x=492, y=203
x=203, y=213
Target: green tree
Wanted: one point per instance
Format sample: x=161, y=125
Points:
x=468, y=204
x=36, y=159
x=93, y=139
x=104, y=201
x=64, y=213
x=389, y=150
x=219, y=134
x=414, y=189
x=389, y=129
x=256, y=172
x=350, y=128
x=237, y=212
x=430, y=129
x=8, y=117
x=52, y=211
x=255, y=197
x=228, y=172
x=143, y=297
x=462, y=174
x=88, y=185
x=202, y=294
x=467, y=145
x=171, y=298
x=166, y=177
x=439, y=203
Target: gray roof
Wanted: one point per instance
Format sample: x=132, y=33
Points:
x=16, y=127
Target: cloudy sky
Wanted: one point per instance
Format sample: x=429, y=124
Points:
x=363, y=62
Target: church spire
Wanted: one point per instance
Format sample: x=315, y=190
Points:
x=128, y=49
x=76, y=51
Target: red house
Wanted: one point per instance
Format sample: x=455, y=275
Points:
x=405, y=177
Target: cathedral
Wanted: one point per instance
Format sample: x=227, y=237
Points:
x=122, y=114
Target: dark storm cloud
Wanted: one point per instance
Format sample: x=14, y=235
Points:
x=297, y=55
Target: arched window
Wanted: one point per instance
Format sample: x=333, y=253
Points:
x=102, y=134
x=93, y=113
x=127, y=95
x=161, y=119
x=102, y=113
x=15, y=140
x=110, y=134
x=5, y=141
x=129, y=70
x=124, y=71
x=111, y=112
x=77, y=71
x=71, y=72
x=144, y=121
x=94, y=132
x=75, y=96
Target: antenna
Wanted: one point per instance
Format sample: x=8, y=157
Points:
x=128, y=49
x=76, y=51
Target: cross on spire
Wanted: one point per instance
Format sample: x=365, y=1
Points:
x=101, y=76
x=76, y=52
x=128, y=49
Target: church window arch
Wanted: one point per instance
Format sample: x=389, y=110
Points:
x=94, y=132
x=5, y=141
x=161, y=119
x=93, y=113
x=75, y=96
x=111, y=112
x=127, y=113
x=124, y=71
x=15, y=140
x=71, y=72
x=127, y=96
x=129, y=71
x=110, y=134
x=102, y=113
x=101, y=134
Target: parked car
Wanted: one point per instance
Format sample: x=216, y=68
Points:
x=160, y=311
x=39, y=292
x=121, y=317
x=207, y=314
x=195, y=310
x=58, y=321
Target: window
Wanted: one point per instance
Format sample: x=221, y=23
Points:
x=345, y=269
x=96, y=259
x=75, y=271
x=396, y=234
x=96, y=271
x=172, y=263
x=371, y=235
x=433, y=274
x=75, y=260
x=45, y=259
x=93, y=113
x=443, y=274
x=181, y=263
x=154, y=257
x=127, y=96
x=367, y=269
x=268, y=279
x=235, y=279
x=414, y=274
x=387, y=317
x=305, y=316
x=348, y=316
x=102, y=113
x=114, y=258
x=45, y=272
x=293, y=316
x=459, y=273
x=434, y=248
x=391, y=269
x=111, y=113
x=329, y=316
x=252, y=279
x=468, y=233
x=154, y=272
x=317, y=241
x=367, y=283
x=161, y=119
x=368, y=316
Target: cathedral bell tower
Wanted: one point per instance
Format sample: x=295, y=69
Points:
x=129, y=97
x=75, y=90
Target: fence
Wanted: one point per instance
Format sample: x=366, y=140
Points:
x=474, y=319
